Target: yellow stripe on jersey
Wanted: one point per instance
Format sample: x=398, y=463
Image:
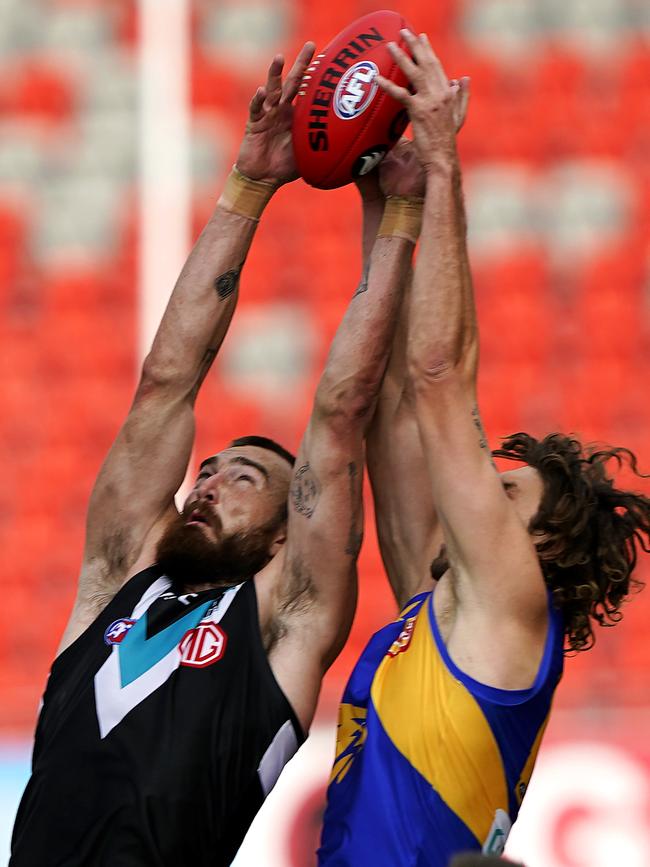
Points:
x=437, y=725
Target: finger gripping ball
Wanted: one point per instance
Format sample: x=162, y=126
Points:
x=344, y=124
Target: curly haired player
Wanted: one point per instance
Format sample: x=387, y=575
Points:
x=442, y=718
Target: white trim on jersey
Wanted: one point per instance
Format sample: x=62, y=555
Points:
x=280, y=750
x=114, y=701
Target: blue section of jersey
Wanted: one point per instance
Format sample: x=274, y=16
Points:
x=138, y=653
x=386, y=814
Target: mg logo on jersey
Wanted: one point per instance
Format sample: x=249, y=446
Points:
x=202, y=645
x=117, y=630
x=356, y=90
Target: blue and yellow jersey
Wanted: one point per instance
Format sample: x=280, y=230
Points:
x=430, y=762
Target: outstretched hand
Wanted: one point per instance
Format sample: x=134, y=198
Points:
x=436, y=106
x=266, y=152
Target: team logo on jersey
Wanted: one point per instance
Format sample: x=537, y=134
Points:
x=350, y=738
x=403, y=640
x=356, y=90
x=203, y=645
x=117, y=630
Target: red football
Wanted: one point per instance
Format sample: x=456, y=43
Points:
x=344, y=124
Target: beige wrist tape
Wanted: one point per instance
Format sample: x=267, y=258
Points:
x=245, y=197
x=402, y=218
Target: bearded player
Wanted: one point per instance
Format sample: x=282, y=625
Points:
x=443, y=716
x=190, y=668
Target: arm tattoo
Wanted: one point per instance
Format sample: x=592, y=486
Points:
x=355, y=536
x=305, y=491
x=482, y=441
x=363, y=285
x=227, y=283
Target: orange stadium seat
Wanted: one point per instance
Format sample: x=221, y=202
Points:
x=37, y=90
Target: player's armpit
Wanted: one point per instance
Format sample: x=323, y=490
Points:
x=485, y=522
x=136, y=485
x=325, y=527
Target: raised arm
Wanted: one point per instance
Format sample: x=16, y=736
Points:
x=404, y=514
x=494, y=565
x=407, y=524
x=133, y=496
x=316, y=595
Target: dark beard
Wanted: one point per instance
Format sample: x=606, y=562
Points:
x=439, y=564
x=189, y=558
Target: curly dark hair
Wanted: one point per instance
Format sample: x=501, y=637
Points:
x=592, y=530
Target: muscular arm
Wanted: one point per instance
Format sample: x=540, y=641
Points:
x=407, y=524
x=317, y=595
x=133, y=496
x=492, y=555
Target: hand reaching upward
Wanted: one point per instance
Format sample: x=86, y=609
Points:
x=436, y=107
x=266, y=153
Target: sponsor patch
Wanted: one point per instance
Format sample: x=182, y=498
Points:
x=203, y=645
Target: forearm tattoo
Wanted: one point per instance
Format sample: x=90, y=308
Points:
x=305, y=491
x=363, y=284
x=227, y=283
x=355, y=536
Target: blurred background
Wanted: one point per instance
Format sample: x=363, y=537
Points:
x=118, y=123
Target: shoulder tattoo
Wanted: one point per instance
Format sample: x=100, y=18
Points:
x=305, y=491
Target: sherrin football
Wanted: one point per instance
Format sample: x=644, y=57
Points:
x=344, y=124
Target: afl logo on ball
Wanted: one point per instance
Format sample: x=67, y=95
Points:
x=355, y=91
x=117, y=630
x=202, y=645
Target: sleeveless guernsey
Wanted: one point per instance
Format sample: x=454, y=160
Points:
x=430, y=762
x=162, y=730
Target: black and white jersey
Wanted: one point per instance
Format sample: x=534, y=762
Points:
x=161, y=732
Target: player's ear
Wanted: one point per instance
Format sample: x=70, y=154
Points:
x=278, y=539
